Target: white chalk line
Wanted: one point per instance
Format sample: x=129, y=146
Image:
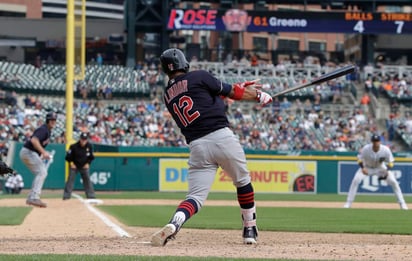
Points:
x=103, y=218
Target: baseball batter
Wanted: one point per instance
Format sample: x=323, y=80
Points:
x=194, y=100
x=375, y=159
x=33, y=154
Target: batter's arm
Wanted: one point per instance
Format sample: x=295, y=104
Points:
x=249, y=90
x=38, y=147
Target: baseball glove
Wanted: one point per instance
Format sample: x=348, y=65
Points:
x=4, y=169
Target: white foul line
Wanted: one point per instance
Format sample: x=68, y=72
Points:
x=103, y=218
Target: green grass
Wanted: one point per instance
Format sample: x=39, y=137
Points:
x=220, y=196
x=13, y=215
x=258, y=196
x=324, y=220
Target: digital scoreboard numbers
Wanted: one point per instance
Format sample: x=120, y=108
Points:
x=332, y=22
x=390, y=23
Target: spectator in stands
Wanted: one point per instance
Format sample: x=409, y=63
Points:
x=368, y=85
x=365, y=101
x=316, y=106
x=254, y=60
x=387, y=87
x=285, y=104
x=99, y=59
x=283, y=146
x=276, y=105
x=238, y=114
x=28, y=100
x=336, y=89
x=408, y=123
x=307, y=106
x=108, y=92
x=11, y=98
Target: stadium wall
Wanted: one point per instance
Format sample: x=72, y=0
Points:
x=165, y=169
x=55, y=29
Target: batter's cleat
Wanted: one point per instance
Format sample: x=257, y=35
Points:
x=36, y=202
x=161, y=237
x=347, y=205
x=404, y=206
x=250, y=235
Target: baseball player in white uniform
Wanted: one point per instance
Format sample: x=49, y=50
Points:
x=375, y=159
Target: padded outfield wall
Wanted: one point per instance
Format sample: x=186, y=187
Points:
x=165, y=169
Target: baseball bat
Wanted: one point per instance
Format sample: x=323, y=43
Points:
x=323, y=78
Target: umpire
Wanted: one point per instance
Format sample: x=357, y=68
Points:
x=79, y=156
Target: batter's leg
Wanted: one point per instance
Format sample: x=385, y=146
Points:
x=201, y=175
x=233, y=162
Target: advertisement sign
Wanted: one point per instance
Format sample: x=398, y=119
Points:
x=269, y=176
x=371, y=184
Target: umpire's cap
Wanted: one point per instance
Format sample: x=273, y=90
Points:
x=375, y=137
x=51, y=116
x=84, y=136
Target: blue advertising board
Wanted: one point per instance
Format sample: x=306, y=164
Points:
x=371, y=184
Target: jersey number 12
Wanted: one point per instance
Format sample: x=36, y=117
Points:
x=182, y=110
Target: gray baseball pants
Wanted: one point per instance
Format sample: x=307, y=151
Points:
x=37, y=167
x=88, y=186
x=219, y=148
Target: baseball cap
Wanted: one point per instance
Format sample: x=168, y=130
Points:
x=51, y=116
x=84, y=136
x=375, y=137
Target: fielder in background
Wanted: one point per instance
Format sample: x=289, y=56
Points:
x=34, y=154
x=375, y=159
x=80, y=156
x=194, y=99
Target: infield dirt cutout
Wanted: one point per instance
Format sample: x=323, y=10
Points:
x=69, y=227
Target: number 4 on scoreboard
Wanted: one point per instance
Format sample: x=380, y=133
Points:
x=359, y=27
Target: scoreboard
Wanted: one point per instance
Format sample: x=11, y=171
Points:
x=295, y=21
x=333, y=22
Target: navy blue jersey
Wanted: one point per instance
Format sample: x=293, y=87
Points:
x=194, y=100
x=43, y=134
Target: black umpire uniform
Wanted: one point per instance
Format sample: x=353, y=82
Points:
x=79, y=156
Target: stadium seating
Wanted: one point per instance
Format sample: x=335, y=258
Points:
x=116, y=116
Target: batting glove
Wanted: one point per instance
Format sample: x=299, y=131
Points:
x=263, y=98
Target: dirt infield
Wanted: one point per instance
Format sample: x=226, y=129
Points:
x=70, y=227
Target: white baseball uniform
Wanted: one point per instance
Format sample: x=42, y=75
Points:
x=376, y=164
